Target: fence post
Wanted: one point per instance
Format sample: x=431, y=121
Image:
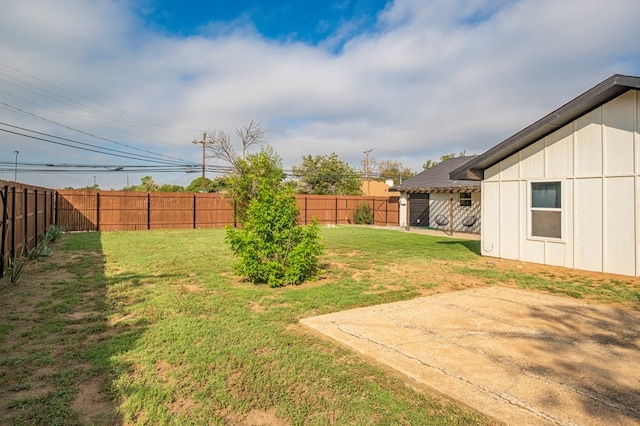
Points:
x=373, y=209
x=44, y=209
x=5, y=197
x=336, y=210
x=13, y=222
x=51, y=213
x=386, y=212
x=148, y=210
x=35, y=217
x=98, y=212
x=235, y=222
x=55, y=210
x=25, y=218
x=194, y=211
x=305, y=208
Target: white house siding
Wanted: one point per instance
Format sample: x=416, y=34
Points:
x=597, y=160
x=439, y=204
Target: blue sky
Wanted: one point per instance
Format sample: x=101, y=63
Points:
x=302, y=21
x=124, y=87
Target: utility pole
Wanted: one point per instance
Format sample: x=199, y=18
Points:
x=366, y=169
x=366, y=163
x=204, y=144
x=15, y=172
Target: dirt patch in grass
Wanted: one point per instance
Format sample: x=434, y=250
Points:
x=50, y=317
x=91, y=402
x=181, y=406
x=257, y=418
x=255, y=306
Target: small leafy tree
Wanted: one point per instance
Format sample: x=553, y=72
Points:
x=362, y=214
x=271, y=246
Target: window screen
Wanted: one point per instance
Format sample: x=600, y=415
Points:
x=546, y=209
x=546, y=195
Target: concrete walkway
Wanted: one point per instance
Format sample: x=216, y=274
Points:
x=520, y=357
x=434, y=232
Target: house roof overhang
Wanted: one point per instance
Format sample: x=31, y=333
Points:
x=602, y=93
x=448, y=189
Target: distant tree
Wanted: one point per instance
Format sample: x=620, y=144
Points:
x=221, y=147
x=327, y=175
x=170, y=188
x=147, y=184
x=94, y=187
x=218, y=184
x=430, y=163
x=390, y=169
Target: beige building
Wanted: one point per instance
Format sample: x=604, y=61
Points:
x=377, y=189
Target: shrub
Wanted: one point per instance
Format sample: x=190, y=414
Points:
x=271, y=246
x=52, y=233
x=362, y=214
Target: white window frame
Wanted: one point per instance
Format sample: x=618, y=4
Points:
x=531, y=209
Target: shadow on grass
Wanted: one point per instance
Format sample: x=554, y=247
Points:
x=65, y=332
x=471, y=245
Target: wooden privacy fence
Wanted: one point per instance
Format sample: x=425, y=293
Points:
x=117, y=210
x=27, y=211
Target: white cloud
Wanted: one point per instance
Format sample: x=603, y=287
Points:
x=433, y=77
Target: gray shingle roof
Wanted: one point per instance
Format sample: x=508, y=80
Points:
x=436, y=178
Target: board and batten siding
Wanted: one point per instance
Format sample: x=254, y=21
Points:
x=597, y=160
x=440, y=203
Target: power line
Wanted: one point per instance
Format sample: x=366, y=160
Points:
x=86, y=133
x=105, y=151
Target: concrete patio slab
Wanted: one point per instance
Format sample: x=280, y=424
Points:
x=520, y=357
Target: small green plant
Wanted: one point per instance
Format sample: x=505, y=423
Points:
x=52, y=233
x=15, y=269
x=363, y=214
x=272, y=247
x=42, y=249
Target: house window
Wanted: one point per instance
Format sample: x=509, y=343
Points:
x=546, y=209
x=465, y=199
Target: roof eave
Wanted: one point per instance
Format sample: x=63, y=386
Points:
x=425, y=190
x=602, y=93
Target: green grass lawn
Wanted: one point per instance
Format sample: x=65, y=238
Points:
x=153, y=327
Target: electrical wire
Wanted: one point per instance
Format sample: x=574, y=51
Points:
x=85, y=133
x=106, y=151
